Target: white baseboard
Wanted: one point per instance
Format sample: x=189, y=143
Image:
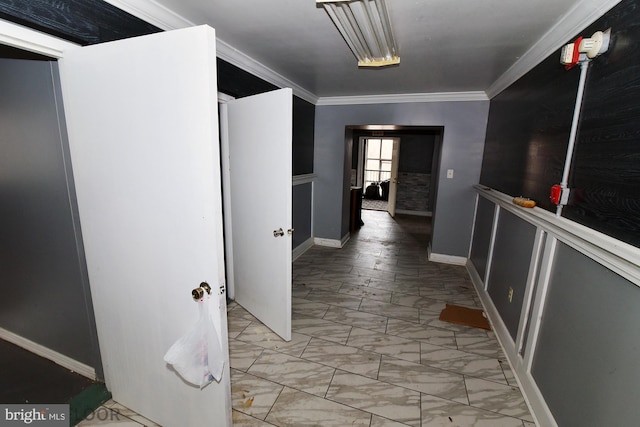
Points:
x=446, y=259
x=47, y=353
x=416, y=213
x=530, y=391
x=302, y=248
x=332, y=243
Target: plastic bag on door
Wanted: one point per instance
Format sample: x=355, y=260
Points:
x=197, y=355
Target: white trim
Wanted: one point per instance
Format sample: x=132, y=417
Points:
x=164, y=18
x=225, y=176
x=572, y=23
x=233, y=56
x=533, y=397
x=223, y=98
x=446, y=259
x=532, y=279
x=332, y=243
x=618, y=256
x=473, y=225
x=492, y=244
x=33, y=41
x=540, y=300
x=403, y=98
x=303, y=179
x=47, y=353
x=303, y=247
x=415, y=213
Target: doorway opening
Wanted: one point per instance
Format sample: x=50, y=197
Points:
x=412, y=185
x=377, y=172
x=56, y=361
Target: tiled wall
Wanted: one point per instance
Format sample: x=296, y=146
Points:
x=413, y=191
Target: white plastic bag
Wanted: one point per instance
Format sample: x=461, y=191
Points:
x=197, y=356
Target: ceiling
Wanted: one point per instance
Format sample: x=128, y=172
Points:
x=449, y=50
x=445, y=46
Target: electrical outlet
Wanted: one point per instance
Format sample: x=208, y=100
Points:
x=450, y=173
x=510, y=293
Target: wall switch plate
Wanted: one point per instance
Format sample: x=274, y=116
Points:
x=449, y=173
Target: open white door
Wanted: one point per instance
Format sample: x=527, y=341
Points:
x=260, y=137
x=143, y=133
x=393, y=182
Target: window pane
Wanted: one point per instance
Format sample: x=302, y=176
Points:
x=373, y=148
x=387, y=149
x=372, y=165
x=385, y=165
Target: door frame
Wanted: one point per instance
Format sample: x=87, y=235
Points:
x=227, y=221
x=393, y=180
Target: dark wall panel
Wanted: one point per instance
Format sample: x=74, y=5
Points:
x=528, y=133
x=606, y=176
x=416, y=152
x=239, y=83
x=302, y=204
x=304, y=114
x=529, y=125
x=482, y=236
x=586, y=363
x=510, y=267
x=80, y=21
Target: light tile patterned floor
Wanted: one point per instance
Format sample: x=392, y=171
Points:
x=367, y=347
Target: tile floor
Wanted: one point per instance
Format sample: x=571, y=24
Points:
x=367, y=346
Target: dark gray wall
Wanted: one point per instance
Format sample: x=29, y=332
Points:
x=588, y=352
x=303, y=125
x=302, y=204
x=510, y=267
x=530, y=122
x=416, y=152
x=463, y=141
x=45, y=292
x=482, y=236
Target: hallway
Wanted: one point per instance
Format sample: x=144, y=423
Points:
x=367, y=347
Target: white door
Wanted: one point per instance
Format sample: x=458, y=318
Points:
x=143, y=133
x=393, y=182
x=260, y=131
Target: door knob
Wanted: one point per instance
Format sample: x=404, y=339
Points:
x=278, y=233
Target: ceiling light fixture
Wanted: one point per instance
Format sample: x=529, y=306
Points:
x=365, y=26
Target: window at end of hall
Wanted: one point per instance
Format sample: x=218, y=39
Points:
x=377, y=160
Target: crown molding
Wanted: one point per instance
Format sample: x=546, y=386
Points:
x=404, y=98
x=233, y=56
x=166, y=19
x=33, y=41
x=583, y=14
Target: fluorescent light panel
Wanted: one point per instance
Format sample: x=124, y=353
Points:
x=365, y=26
